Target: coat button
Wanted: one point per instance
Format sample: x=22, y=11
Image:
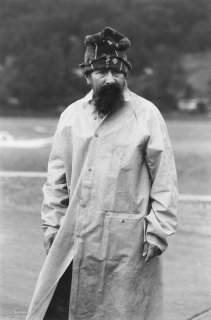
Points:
x=83, y=204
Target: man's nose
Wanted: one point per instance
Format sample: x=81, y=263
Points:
x=109, y=78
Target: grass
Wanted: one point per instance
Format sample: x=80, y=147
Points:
x=191, y=145
x=186, y=263
x=21, y=127
x=190, y=141
x=21, y=243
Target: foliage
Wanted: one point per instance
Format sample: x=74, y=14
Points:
x=45, y=41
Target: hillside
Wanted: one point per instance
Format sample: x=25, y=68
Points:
x=197, y=68
x=42, y=44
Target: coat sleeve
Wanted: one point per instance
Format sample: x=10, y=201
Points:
x=55, y=191
x=162, y=218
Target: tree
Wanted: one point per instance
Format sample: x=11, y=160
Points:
x=46, y=40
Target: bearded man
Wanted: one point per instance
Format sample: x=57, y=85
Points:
x=110, y=199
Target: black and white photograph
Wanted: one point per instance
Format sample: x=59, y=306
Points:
x=105, y=160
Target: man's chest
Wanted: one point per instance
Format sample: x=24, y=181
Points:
x=117, y=142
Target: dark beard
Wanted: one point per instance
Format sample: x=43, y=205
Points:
x=108, y=99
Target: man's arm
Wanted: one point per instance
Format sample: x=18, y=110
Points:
x=55, y=192
x=162, y=219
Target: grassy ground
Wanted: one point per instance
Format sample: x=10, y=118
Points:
x=186, y=263
x=192, y=149
x=21, y=244
x=190, y=140
x=26, y=128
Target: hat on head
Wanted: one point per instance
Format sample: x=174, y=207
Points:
x=106, y=50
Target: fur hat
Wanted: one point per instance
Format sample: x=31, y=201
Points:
x=106, y=50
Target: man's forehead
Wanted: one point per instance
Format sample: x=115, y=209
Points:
x=106, y=70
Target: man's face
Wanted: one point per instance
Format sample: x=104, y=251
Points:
x=108, y=87
x=105, y=77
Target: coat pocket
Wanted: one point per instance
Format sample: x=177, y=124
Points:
x=123, y=236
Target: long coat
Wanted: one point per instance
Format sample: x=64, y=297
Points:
x=108, y=190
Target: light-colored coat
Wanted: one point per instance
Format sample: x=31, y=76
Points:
x=107, y=191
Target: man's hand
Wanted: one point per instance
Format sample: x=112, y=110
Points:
x=150, y=251
x=48, y=242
